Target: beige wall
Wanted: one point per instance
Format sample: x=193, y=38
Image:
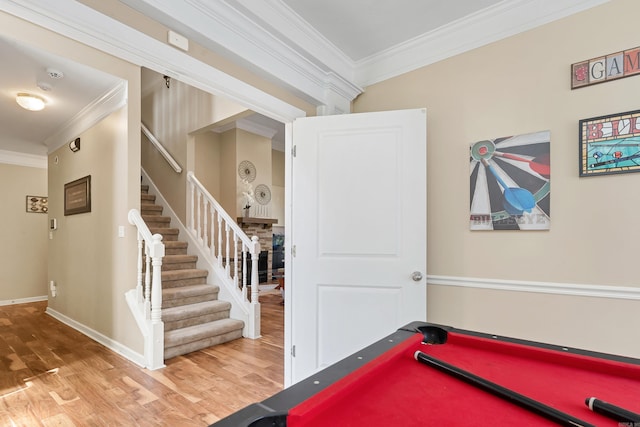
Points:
x=277, y=189
x=256, y=149
x=23, y=271
x=207, y=161
x=172, y=115
x=92, y=266
x=228, y=170
x=515, y=86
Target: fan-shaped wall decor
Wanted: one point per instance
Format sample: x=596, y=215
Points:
x=262, y=194
x=247, y=170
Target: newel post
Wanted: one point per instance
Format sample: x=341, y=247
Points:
x=254, y=308
x=155, y=354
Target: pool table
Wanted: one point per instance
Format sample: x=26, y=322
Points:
x=384, y=385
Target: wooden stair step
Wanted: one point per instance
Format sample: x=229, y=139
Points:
x=193, y=338
x=195, y=314
x=193, y=294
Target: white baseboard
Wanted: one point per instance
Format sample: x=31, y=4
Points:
x=595, y=291
x=24, y=300
x=112, y=345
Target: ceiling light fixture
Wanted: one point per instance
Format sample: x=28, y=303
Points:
x=30, y=102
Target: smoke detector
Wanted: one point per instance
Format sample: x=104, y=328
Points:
x=55, y=74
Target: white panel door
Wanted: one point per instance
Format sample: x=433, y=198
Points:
x=359, y=231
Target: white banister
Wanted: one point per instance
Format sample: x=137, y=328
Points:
x=147, y=305
x=224, y=245
x=163, y=151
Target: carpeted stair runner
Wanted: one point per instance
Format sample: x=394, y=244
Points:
x=193, y=316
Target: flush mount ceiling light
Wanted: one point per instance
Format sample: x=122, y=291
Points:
x=30, y=102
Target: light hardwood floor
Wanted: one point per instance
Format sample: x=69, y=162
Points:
x=52, y=375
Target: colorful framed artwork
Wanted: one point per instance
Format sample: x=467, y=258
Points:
x=510, y=183
x=610, y=144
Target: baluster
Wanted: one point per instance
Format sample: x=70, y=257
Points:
x=219, y=249
x=235, y=260
x=255, y=254
x=214, y=213
x=139, y=288
x=147, y=284
x=226, y=232
x=192, y=189
x=244, y=272
x=198, y=219
x=206, y=223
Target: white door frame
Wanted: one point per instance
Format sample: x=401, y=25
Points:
x=87, y=26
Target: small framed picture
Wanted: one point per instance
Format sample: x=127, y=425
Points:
x=77, y=196
x=37, y=204
x=610, y=144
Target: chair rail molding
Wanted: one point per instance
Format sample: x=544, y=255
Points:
x=595, y=291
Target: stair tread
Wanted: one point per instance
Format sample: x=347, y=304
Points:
x=167, y=233
x=187, y=273
x=179, y=258
x=191, y=310
x=204, y=330
x=188, y=303
x=190, y=290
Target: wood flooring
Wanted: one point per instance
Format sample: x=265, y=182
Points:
x=52, y=375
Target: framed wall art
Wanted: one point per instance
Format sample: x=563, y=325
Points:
x=77, y=196
x=610, y=144
x=510, y=183
x=37, y=204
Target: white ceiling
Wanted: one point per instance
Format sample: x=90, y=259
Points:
x=350, y=41
x=363, y=28
x=23, y=69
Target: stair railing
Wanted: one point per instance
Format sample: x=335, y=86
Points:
x=163, y=151
x=227, y=248
x=146, y=301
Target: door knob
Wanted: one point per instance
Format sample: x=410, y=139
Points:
x=416, y=276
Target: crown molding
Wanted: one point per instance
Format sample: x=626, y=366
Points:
x=111, y=101
x=229, y=29
x=248, y=126
x=85, y=25
x=23, y=159
x=304, y=38
x=500, y=21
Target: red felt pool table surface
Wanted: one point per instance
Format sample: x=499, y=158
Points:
x=396, y=390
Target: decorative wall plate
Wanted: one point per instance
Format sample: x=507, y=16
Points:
x=262, y=193
x=247, y=170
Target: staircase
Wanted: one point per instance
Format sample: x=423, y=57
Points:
x=193, y=316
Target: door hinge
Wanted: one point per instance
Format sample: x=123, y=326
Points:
x=293, y=151
x=293, y=350
x=293, y=250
